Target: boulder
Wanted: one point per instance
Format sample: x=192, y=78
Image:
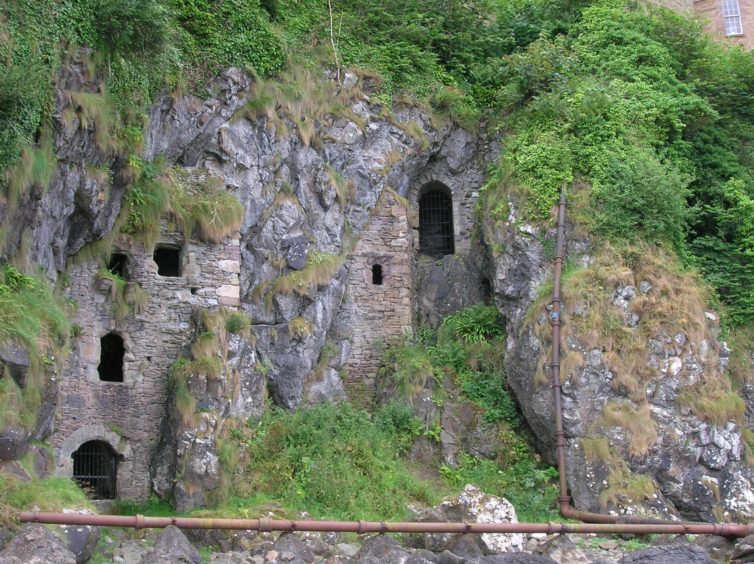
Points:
x=81, y=540
x=292, y=549
x=16, y=359
x=670, y=554
x=380, y=549
x=519, y=558
x=474, y=506
x=35, y=544
x=172, y=547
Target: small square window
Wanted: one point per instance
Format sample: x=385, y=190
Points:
x=168, y=260
x=118, y=264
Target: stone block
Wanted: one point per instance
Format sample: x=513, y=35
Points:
x=229, y=302
x=233, y=266
x=229, y=291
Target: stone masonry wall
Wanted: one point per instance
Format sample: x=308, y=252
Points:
x=374, y=313
x=128, y=415
x=711, y=12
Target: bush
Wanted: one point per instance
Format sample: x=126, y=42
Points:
x=132, y=26
x=637, y=195
x=333, y=461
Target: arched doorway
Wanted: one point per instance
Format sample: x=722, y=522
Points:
x=436, y=220
x=95, y=468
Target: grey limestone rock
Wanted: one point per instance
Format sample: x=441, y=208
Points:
x=472, y=505
x=172, y=546
x=670, y=554
x=35, y=544
x=81, y=540
x=16, y=359
x=690, y=462
x=380, y=549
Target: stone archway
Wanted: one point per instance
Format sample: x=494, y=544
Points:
x=100, y=434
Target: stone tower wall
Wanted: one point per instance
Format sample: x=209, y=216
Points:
x=378, y=314
x=128, y=415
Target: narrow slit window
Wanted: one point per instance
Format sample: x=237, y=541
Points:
x=377, y=274
x=168, y=261
x=436, y=221
x=110, y=367
x=118, y=264
x=95, y=468
x=732, y=18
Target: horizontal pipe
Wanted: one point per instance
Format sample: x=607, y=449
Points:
x=285, y=525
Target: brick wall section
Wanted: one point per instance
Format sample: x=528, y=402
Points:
x=677, y=5
x=711, y=12
x=128, y=415
x=378, y=313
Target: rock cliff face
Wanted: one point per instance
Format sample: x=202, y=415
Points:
x=326, y=201
x=651, y=423
x=326, y=264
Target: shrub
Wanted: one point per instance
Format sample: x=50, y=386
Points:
x=333, y=461
x=237, y=323
x=131, y=26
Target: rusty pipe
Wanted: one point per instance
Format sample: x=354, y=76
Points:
x=268, y=525
x=592, y=522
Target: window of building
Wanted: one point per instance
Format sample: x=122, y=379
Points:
x=732, y=18
x=111, y=358
x=436, y=221
x=377, y=274
x=118, y=264
x=168, y=259
x=95, y=468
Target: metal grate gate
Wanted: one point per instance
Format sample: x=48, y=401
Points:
x=95, y=468
x=436, y=224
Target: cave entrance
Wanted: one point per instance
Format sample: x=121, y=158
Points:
x=168, y=259
x=436, y=220
x=118, y=264
x=95, y=468
x=110, y=367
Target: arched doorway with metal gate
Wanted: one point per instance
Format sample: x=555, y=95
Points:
x=95, y=468
x=436, y=231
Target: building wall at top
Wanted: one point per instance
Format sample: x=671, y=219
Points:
x=128, y=415
x=711, y=13
x=677, y=5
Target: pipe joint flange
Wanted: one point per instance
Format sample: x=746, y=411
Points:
x=139, y=521
x=265, y=525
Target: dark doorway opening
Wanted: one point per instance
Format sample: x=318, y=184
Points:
x=377, y=274
x=95, y=468
x=118, y=264
x=111, y=358
x=436, y=221
x=168, y=261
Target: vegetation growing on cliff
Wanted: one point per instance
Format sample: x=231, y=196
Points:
x=463, y=361
x=632, y=101
x=34, y=318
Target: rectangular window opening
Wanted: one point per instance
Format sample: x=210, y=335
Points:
x=168, y=260
x=377, y=275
